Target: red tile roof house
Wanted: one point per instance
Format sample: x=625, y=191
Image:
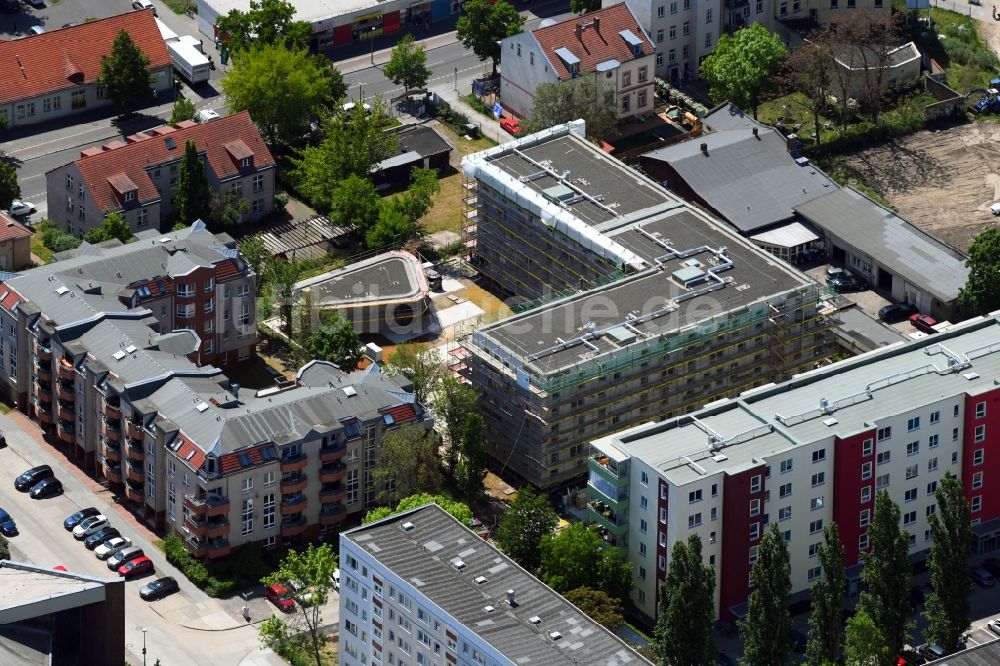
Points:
x=54, y=74
x=139, y=176
x=608, y=43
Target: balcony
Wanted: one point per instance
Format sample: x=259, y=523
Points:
x=291, y=464
x=605, y=517
x=66, y=411
x=196, y=546
x=113, y=471
x=332, y=453
x=65, y=391
x=613, y=471
x=112, y=411
x=42, y=352
x=67, y=432
x=218, y=548
x=217, y=527
x=294, y=503
x=65, y=370
x=134, y=450
x=195, y=525
x=210, y=505
x=332, y=472
x=134, y=430
x=133, y=491
x=112, y=452
x=43, y=410
x=294, y=483
x=134, y=473
x=43, y=392
x=43, y=371
x=332, y=492
x=332, y=514
x=111, y=431
x=293, y=525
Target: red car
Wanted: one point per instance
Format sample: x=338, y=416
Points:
x=136, y=567
x=280, y=597
x=923, y=322
x=511, y=126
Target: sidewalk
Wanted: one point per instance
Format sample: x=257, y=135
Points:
x=488, y=127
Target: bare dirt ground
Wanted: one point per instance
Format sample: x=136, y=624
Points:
x=943, y=181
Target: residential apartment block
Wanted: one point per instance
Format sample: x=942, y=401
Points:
x=608, y=44
x=54, y=74
x=114, y=363
x=421, y=588
x=139, y=177
x=645, y=307
x=803, y=453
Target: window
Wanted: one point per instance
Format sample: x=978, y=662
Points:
x=785, y=490
x=694, y=520
x=912, y=471
x=816, y=503
x=932, y=441
x=865, y=517
x=980, y=433
x=130, y=195
x=784, y=513
x=816, y=526
x=977, y=480
x=913, y=424
x=814, y=573
x=955, y=411
x=755, y=484
x=659, y=59
x=977, y=503
x=980, y=410
x=660, y=11
x=881, y=481
x=209, y=305
x=247, y=484
x=659, y=36
x=753, y=554
x=863, y=539
x=686, y=28
x=754, y=507
x=913, y=448
x=977, y=456
x=932, y=464
x=141, y=217
x=883, y=433
x=866, y=447
x=643, y=503
x=643, y=525
x=813, y=549
x=663, y=515
x=78, y=99
x=708, y=15
x=715, y=490
x=208, y=346
x=909, y=517
x=626, y=104
x=247, y=513
x=819, y=456
x=673, y=32
x=269, y=479
x=708, y=39
x=954, y=434
x=930, y=510
x=643, y=74
x=935, y=417
x=694, y=496
x=714, y=513
x=760, y=6
x=269, y=510
x=818, y=479
x=754, y=531
x=866, y=494
x=673, y=7
x=932, y=487
x=245, y=162
x=883, y=457
x=786, y=466
x=866, y=471
x=672, y=55
x=626, y=79
x=910, y=495
x=644, y=478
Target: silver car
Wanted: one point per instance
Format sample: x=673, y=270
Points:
x=109, y=548
x=21, y=208
x=123, y=556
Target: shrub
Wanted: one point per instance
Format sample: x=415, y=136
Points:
x=4, y=549
x=280, y=201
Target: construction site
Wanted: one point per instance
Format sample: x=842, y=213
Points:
x=636, y=306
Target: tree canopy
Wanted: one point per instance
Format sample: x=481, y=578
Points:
x=471, y=469
x=113, y=226
x=529, y=518
x=417, y=364
x=865, y=643
x=336, y=341
x=576, y=557
x=825, y=628
x=125, y=75
x=743, y=65
x=9, y=187
x=767, y=624
x=268, y=22
x=460, y=511
x=483, y=24
x=355, y=200
x=603, y=609
x=886, y=573
x=584, y=6
x=981, y=293
x=683, y=634
x=589, y=97
x=183, y=110
x=947, y=606
x=407, y=64
x=282, y=90
x=809, y=70
x=194, y=194
x=252, y=250
x=407, y=464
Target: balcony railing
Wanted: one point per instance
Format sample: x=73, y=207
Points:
x=293, y=463
x=43, y=392
x=604, y=516
x=135, y=451
x=332, y=472
x=217, y=527
x=332, y=453
x=133, y=491
x=112, y=470
x=43, y=371
x=332, y=492
x=43, y=352
x=134, y=473
x=218, y=547
x=112, y=453
x=294, y=503
x=65, y=391
x=195, y=524
x=294, y=483
x=66, y=411
x=196, y=546
x=211, y=505
x=133, y=429
x=112, y=411
x=293, y=525
x=65, y=370
x=111, y=431
x=331, y=514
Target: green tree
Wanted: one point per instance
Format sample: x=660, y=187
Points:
x=603, y=609
x=226, y=209
x=125, y=74
x=268, y=22
x=394, y=227
x=886, y=573
x=472, y=467
x=407, y=464
x=577, y=557
x=113, y=226
x=809, y=72
x=183, y=110
x=355, y=200
x=281, y=276
x=283, y=90
x=825, y=628
x=453, y=401
x=683, y=634
x=529, y=518
x=419, y=196
x=353, y=143
x=252, y=250
x=312, y=569
x=4, y=548
x=407, y=65
x=460, y=511
x=767, y=624
x=743, y=65
x=947, y=608
x=981, y=293
x=584, y=6
x=589, y=97
x=194, y=194
x=865, y=644
x=55, y=239
x=336, y=341
x=419, y=365
x=9, y=188
x=483, y=24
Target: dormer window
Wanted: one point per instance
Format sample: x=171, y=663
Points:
x=239, y=152
x=245, y=162
x=130, y=196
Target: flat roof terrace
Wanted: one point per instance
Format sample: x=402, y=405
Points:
x=701, y=269
x=388, y=277
x=614, y=190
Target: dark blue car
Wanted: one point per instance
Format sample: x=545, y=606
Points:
x=7, y=526
x=79, y=517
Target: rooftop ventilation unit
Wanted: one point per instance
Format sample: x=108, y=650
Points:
x=511, y=599
x=689, y=276
x=479, y=580
x=458, y=564
x=830, y=422
x=201, y=406
x=61, y=290
x=488, y=609
x=722, y=457
x=555, y=635
x=119, y=355
x=130, y=349
x=407, y=526
x=350, y=392
x=534, y=619
x=559, y=193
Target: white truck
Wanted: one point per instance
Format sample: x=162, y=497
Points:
x=188, y=60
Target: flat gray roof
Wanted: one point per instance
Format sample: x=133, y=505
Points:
x=986, y=654
x=385, y=277
x=422, y=557
x=27, y=590
x=889, y=240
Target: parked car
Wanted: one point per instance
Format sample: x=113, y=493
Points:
x=123, y=556
x=301, y=592
x=32, y=476
x=994, y=626
x=136, y=567
x=910, y=658
x=21, y=208
x=992, y=564
x=7, y=525
x=982, y=577
x=922, y=322
x=100, y=536
x=932, y=652
x=847, y=282
x=279, y=596
x=46, y=488
x=335, y=579
x=89, y=526
x=78, y=517
x=112, y=546
x=160, y=587
x=897, y=312
x=511, y=125
x=143, y=4
x=833, y=271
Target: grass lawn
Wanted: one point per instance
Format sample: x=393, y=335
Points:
x=38, y=248
x=180, y=6
x=962, y=52
x=446, y=213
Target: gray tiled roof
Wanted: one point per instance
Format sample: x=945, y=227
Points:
x=422, y=558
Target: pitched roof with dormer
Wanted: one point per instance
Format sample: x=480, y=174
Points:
x=609, y=34
x=226, y=143
x=71, y=57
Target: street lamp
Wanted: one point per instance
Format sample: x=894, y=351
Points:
x=456, y=79
x=373, y=43
x=144, y=630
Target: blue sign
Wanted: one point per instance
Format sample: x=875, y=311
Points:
x=497, y=110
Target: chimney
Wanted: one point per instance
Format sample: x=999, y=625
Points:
x=755, y=134
x=792, y=142
x=704, y=148
x=579, y=31
x=511, y=601
x=597, y=24
x=234, y=388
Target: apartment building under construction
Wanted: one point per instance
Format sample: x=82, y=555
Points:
x=644, y=306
